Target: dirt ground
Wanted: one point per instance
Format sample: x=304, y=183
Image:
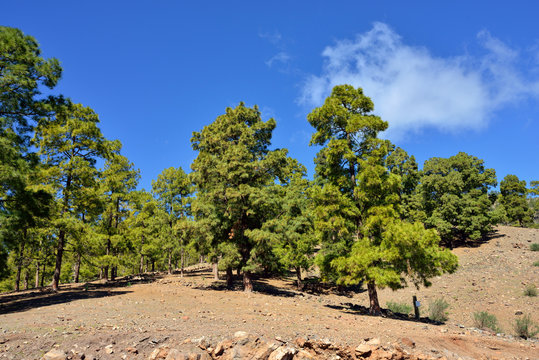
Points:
x=131, y=317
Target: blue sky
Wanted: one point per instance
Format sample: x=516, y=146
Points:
x=458, y=76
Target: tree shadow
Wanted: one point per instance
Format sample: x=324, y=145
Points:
x=47, y=299
x=315, y=286
x=355, y=309
x=29, y=299
x=468, y=243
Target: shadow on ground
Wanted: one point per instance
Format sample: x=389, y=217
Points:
x=355, y=309
x=30, y=299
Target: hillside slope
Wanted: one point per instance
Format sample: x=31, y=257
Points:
x=130, y=318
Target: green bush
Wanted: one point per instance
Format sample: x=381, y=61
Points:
x=524, y=325
x=530, y=290
x=400, y=308
x=536, y=263
x=485, y=320
x=437, y=310
x=534, y=247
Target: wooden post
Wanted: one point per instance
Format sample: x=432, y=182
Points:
x=416, y=308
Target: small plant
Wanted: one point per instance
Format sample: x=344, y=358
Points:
x=534, y=247
x=437, y=310
x=524, y=325
x=485, y=320
x=400, y=308
x=530, y=290
x=536, y=263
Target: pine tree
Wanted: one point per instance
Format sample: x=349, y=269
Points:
x=358, y=203
x=232, y=173
x=70, y=143
x=22, y=72
x=513, y=198
x=173, y=189
x=455, y=197
x=118, y=180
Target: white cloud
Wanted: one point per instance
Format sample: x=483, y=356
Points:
x=412, y=89
x=273, y=37
x=281, y=57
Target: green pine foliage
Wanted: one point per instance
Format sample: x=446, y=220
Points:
x=455, y=197
x=237, y=180
x=358, y=201
x=513, y=198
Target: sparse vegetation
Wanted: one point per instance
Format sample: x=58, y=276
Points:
x=525, y=327
x=536, y=263
x=534, y=247
x=485, y=320
x=438, y=310
x=400, y=308
x=531, y=290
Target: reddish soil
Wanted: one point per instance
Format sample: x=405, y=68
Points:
x=146, y=312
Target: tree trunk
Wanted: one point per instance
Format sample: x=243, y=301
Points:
x=77, y=269
x=229, y=278
x=153, y=265
x=43, y=274
x=374, y=308
x=247, y=282
x=215, y=271
x=170, y=262
x=19, y=267
x=106, y=268
x=298, y=275
x=26, y=279
x=141, y=270
x=58, y=265
x=182, y=261
x=113, y=273
x=61, y=239
x=38, y=265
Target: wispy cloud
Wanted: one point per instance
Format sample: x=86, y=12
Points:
x=413, y=89
x=273, y=37
x=281, y=58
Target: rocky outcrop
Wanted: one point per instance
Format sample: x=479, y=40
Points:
x=249, y=346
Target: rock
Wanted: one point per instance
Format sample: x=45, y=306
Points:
x=518, y=312
x=304, y=355
x=131, y=350
x=240, y=334
x=300, y=342
x=193, y=356
x=55, y=354
x=221, y=347
x=160, y=353
x=205, y=356
x=364, y=350
x=203, y=343
x=108, y=349
x=283, y=353
x=374, y=342
x=175, y=354
x=265, y=351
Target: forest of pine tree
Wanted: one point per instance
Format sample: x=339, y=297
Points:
x=71, y=208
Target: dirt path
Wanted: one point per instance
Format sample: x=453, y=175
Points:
x=146, y=313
